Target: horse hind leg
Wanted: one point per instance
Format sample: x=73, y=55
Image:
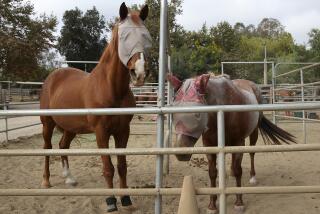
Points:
x=65, y=144
x=47, y=131
x=108, y=169
x=253, y=141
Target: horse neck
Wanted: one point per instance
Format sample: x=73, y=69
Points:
x=112, y=75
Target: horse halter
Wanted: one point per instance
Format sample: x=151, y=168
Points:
x=133, y=38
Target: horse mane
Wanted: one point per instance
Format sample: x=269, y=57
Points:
x=112, y=47
x=214, y=76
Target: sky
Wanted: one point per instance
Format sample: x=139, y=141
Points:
x=298, y=16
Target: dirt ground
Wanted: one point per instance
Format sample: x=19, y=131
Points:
x=19, y=122
x=273, y=169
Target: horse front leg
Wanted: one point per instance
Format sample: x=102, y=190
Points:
x=107, y=167
x=209, y=138
x=237, y=170
x=65, y=144
x=121, y=140
x=212, y=159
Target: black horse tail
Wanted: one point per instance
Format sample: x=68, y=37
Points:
x=273, y=134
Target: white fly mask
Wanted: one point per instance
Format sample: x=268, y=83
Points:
x=133, y=38
x=190, y=124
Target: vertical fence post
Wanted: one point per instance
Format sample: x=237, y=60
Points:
x=221, y=163
x=168, y=140
x=9, y=91
x=222, y=69
x=303, y=111
x=273, y=92
x=5, y=107
x=265, y=67
x=21, y=93
x=2, y=99
x=161, y=92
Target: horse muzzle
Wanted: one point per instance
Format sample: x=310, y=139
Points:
x=137, y=80
x=184, y=141
x=185, y=157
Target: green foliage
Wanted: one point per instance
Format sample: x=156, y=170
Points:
x=23, y=39
x=314, y=42
x=153, y=25
x=225, y=37
x=25, y=42
x=199, y=55
x=82, y=36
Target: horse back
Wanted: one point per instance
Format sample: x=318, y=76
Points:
x=238, y=125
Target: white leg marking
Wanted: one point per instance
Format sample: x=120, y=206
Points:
x=239, y=209
x=253, y=180
x=70, y=180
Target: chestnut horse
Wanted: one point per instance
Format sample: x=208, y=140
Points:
x=107, y=86
x=220, y=90
x=284, y=95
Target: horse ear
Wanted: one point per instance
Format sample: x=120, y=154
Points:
x=175, y=82
x=123, y=11
x=144, y=12
x=201, y=83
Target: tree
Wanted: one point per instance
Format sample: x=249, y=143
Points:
x=197, y=56
x=23, y=39
x=225, y=37
x=314, y=41
x=239, y=28
x=83, y=36
x=153, y=25
x=270, y=28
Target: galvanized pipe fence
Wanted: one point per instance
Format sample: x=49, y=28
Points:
x=301, y=86
x=221, y=150
x=146, y=96
x=271, y=92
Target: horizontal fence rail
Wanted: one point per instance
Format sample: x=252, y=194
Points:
x=157, y=191
x=298, y=70
x=222, y=190
x=159, y=151
x=160, y=110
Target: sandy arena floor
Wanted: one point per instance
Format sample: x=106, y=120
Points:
x=273, y=169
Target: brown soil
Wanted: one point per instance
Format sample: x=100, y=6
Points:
x=273, y=169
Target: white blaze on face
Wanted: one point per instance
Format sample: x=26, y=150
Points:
x=139, y=67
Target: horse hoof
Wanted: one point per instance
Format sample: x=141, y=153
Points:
x=212, y=211
x=114, y=212
x=71, y=182
x=253, y=180
x=129, y=209
x=239, y=209
x=45, y=184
